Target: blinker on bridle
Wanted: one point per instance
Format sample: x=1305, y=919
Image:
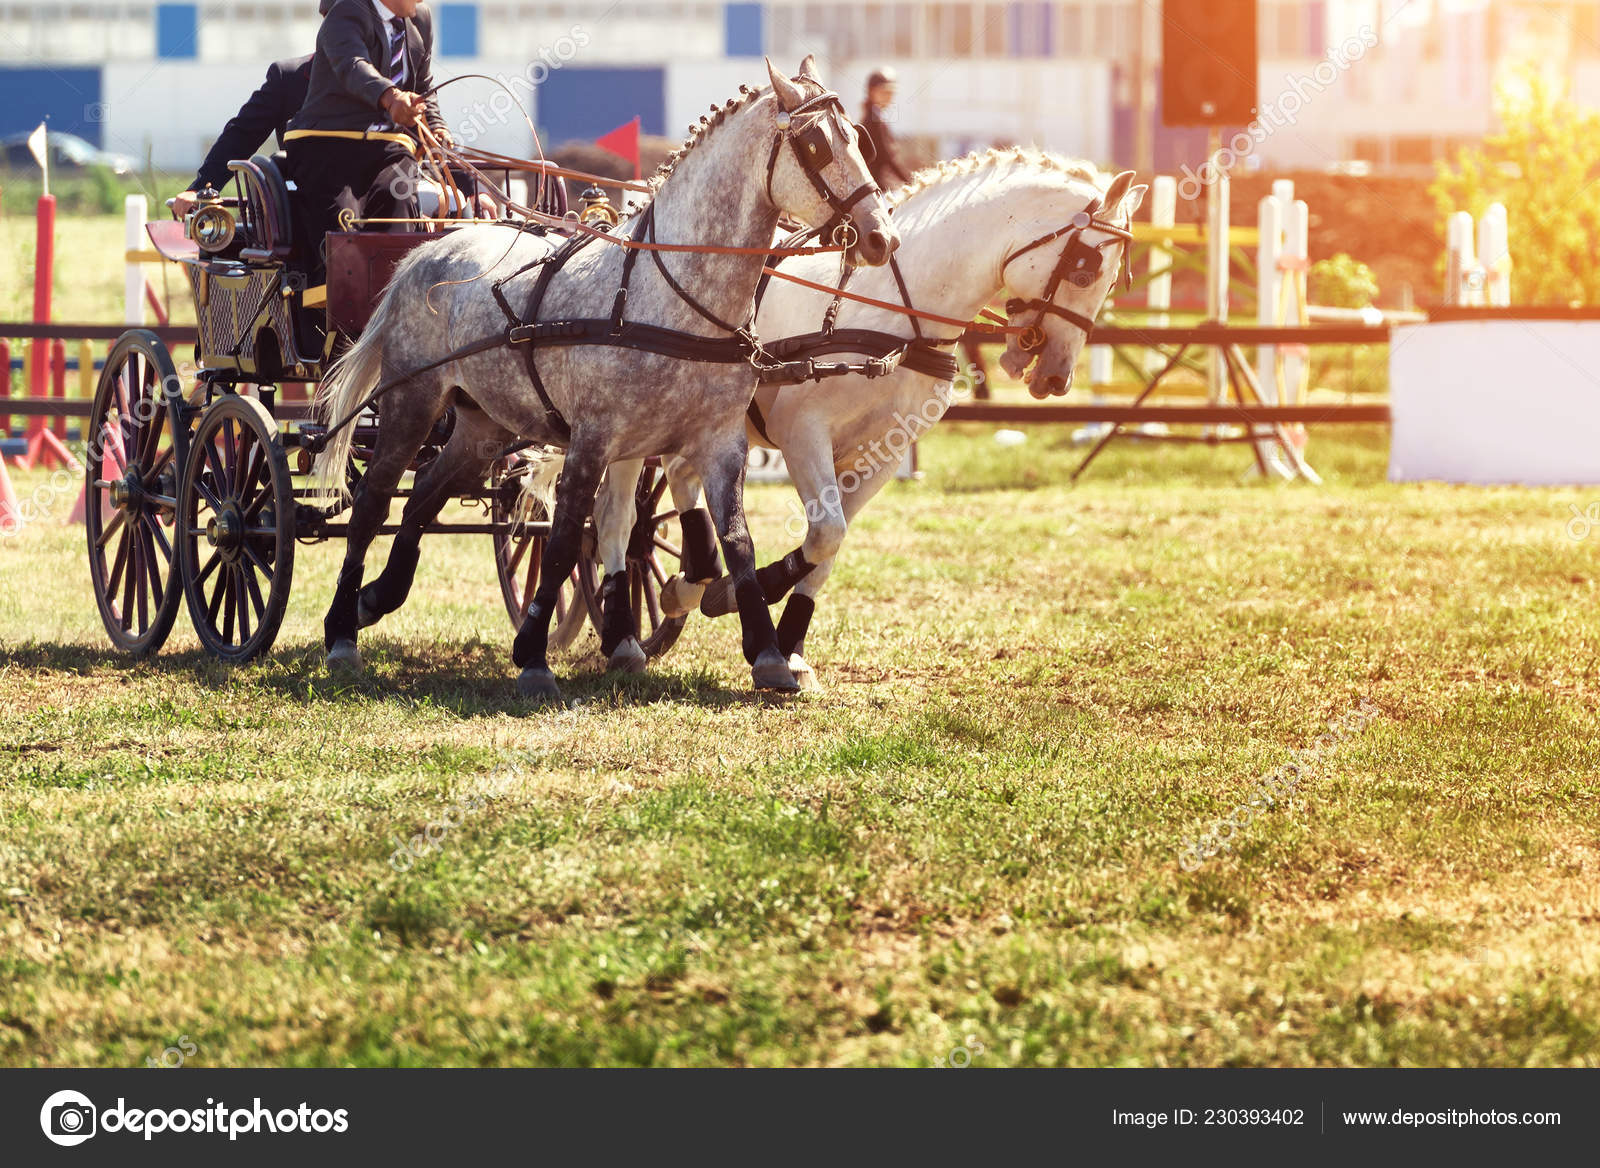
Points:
x=1080, y=264
x=815, y=153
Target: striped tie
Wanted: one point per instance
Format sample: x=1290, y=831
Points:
x=397, y=51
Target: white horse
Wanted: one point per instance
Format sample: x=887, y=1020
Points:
x=1002, y=220
x=441, y=338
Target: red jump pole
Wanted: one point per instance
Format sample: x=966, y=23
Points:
x=44, y=264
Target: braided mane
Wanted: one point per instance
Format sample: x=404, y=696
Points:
x=702, y=129
x=993, y=159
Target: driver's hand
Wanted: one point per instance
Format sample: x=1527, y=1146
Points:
x=183, y=203
x=443, y=134
x=403, y=106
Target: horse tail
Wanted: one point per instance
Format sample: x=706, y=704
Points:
x=349, y=380
x=539, y=469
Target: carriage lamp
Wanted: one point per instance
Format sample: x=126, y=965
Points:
x=211, y=225
x=597, y=208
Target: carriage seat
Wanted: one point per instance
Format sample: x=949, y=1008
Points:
x=268, y=210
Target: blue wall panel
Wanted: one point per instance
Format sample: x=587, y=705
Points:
x=743, y=30
x=581, y=104
x=70, y=98
x=177, y=31
x=458, y=30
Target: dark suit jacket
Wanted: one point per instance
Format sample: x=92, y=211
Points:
x=349, y=70
x=267, y=112
x=885, y=165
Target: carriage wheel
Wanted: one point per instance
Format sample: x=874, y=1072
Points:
x=138, y=439
x=237, y=516
x=652, y=560
x=520, y=529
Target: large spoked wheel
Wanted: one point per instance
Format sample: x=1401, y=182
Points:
x=138, y=440
x=521, y=528
x=653, y=559
x=236, y=529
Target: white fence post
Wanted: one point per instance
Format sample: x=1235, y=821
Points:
x=1158, y=292
x=1269, y=249
x=1494, y=255
x=134, y=213
x=1297, y=254
x=1218, y=256
x=1463, y=276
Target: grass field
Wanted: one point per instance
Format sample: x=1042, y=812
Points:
x=972, y=841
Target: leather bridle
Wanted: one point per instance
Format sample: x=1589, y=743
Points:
x=814, y=152
x=1080, y=264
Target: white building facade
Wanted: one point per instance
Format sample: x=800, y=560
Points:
x=159, y=79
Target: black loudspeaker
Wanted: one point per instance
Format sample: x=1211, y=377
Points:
x=1208, y=62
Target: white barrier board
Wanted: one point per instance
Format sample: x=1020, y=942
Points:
x=1495, y=401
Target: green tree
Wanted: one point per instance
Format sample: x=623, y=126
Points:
x=1544, y=165
x=1342, y=282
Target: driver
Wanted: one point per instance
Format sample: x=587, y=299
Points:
x=352, y=147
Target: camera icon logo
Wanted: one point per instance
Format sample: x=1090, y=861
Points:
x=68, y=1118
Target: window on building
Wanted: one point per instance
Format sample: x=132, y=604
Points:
x=1071, y=37
x=950, y=30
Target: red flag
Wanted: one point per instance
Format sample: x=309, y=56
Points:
x=623, y=141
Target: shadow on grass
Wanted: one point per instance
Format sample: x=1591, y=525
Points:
x=469, y=679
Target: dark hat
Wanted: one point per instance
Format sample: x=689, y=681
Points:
x=883, y=75
x=325, y=7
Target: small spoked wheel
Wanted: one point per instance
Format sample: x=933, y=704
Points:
x=521, y=534
x=236, y=529
x=653, y=559
x=137, y=439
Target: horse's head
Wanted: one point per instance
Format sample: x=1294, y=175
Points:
x=1060, y=274
x=816, y=173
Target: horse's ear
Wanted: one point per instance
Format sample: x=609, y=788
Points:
x=1118, y=188
x=1132, y=201
x=808, y=69
x=789, y=94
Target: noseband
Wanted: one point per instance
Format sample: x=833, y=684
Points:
x=814, y=153
x=1080, y=264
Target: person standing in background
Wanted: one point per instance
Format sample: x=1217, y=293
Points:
x=885, y=156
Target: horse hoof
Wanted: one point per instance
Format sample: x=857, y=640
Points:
x=628, y=657
x=771, y=672
x=805, y=676
x=718, y=599
x=344, y=657
x=680, y=598
x=538, y=684
x=365, y=616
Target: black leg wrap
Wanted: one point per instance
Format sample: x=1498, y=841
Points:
x=701, y=557
x=781, y=575
x=533, y=639
x=756, y=637
x=617, y=626
x=793, y=625
x=340, y=623
x=388, y=592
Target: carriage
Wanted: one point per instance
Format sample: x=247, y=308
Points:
x=199, y=482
